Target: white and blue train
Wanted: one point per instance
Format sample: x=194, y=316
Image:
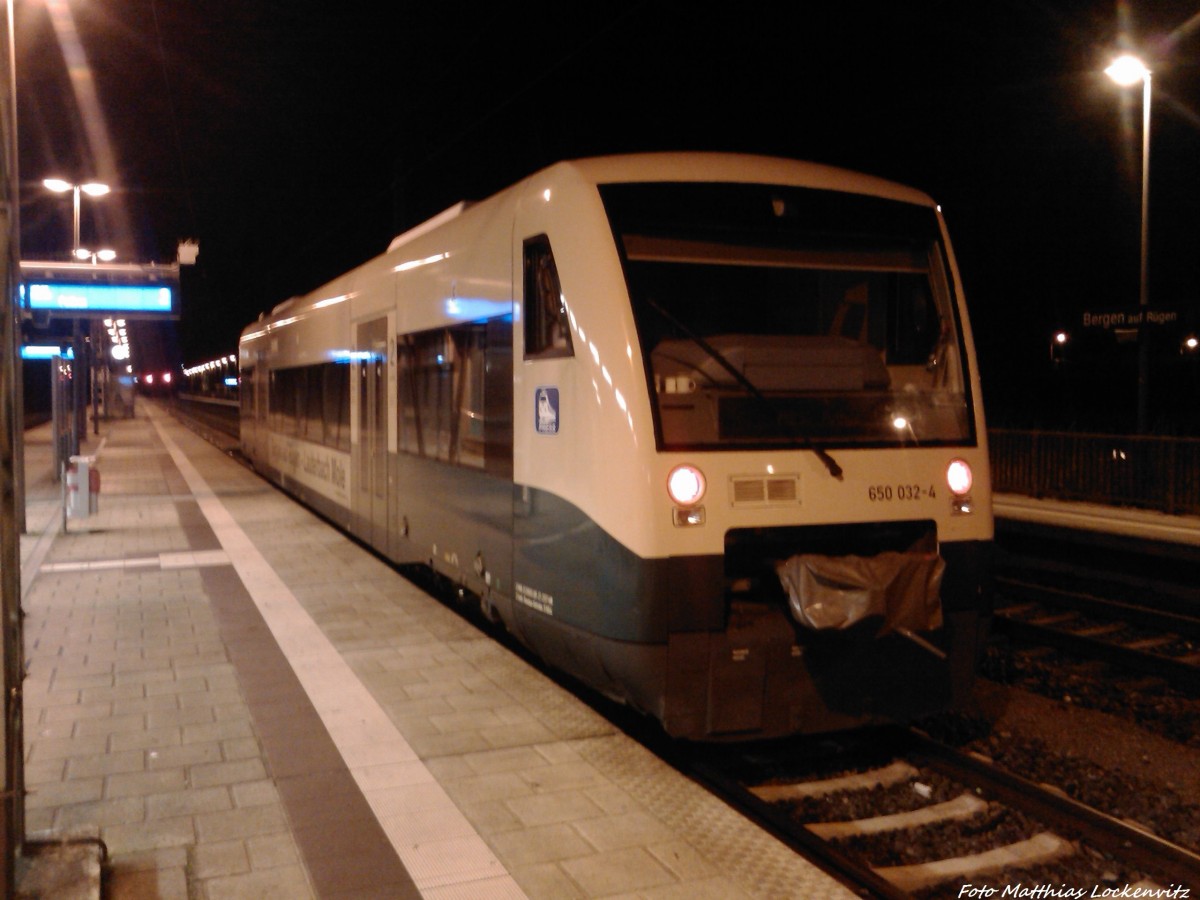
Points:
x=702, y=430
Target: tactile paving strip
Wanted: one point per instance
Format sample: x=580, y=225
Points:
x=760, y=864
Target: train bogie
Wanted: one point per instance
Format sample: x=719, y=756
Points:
x=699, y=429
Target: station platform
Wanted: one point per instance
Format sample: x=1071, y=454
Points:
x=1094, y=518
x=239, y=701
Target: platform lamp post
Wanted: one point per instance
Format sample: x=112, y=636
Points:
x=1127, y=71
x=92, y=189
x=83, y=254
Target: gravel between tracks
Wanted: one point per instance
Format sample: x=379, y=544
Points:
x=1128, y=747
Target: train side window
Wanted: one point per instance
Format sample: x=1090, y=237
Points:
x=283, y=401
x=336, y=413
x=547, y=330
x=455, y=395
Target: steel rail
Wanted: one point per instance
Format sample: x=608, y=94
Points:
x=852, y=872
x=1178, y=623
x=1149, y=852
x=1176, y=671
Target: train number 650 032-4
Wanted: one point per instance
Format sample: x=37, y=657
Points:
x=884, y=493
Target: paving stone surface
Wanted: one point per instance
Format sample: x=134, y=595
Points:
x=192, y=650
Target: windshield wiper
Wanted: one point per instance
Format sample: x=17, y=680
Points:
x=829, y=462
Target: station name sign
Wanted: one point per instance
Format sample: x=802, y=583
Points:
x=1130, y=318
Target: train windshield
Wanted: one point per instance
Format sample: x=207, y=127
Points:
x=774, y=315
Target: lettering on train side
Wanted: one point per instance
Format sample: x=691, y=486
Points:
x=325, y=471
x=535, y=599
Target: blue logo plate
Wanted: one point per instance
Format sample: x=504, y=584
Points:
x=545, y=410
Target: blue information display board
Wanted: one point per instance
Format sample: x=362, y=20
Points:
x=46, y=351
x=81, y=299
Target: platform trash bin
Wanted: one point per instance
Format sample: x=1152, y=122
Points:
x=83, y=487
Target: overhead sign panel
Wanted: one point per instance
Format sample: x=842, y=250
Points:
x=86, y=298
x=82, y=291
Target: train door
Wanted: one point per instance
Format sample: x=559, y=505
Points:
x=254, y=378
x=248, y=408
x=370, y=436
x=498, y=443
x=261, y=390
x=544, y=547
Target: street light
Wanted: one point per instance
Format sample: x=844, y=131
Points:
x=1058, y=347
x=83, y=254
x=1127, y=71
x=92, y=189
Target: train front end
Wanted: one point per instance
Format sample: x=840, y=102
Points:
x=808, y=527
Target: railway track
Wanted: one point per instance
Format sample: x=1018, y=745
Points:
x=926, y=819
x=215, y=420
x=1129, y=604
x=1133, y=637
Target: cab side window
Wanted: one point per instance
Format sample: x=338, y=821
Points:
x=547, y=331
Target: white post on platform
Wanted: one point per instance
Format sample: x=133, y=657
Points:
x=12, y=780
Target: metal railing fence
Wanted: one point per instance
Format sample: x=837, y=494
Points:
x=1159, y=473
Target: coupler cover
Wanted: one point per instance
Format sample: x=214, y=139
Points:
x=903, y=590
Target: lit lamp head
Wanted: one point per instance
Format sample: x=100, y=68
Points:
x=61, y=186
x=1127, y=70
x=83, y=254
x=92, y=189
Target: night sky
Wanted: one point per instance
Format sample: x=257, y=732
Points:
x=292, y=139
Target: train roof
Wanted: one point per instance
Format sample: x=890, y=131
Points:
x=735, y=167
x=640, y=167
x=700, y=167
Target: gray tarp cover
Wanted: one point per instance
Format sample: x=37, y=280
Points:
x=835, y=592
